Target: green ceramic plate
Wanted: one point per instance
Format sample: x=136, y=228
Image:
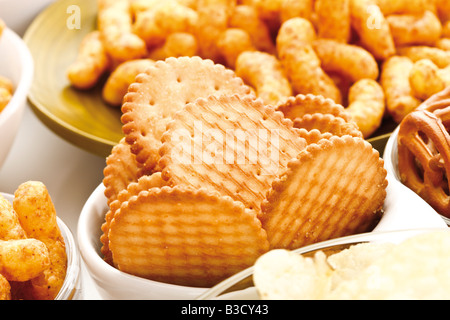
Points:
x=80, y=117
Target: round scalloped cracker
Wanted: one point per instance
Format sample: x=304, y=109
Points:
x=299, y=105
x=313, y=135
x=145, y=182
x=184, y=236
x=121, y=169
x=334, y=188
x=328, y=123
x=163, y=90
x=235, y=145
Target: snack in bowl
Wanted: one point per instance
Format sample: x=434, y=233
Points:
x=363, y=271
x=423, y=151
x=33, y=249
x=220, y=152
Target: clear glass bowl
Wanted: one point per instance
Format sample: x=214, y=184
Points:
x=241, y=286
x=71, y=288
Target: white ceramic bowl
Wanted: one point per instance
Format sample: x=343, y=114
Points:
x=18, y=14
x=403, y=210
x=16, y=63
x=71, y=288
x=390, y=157
x=241, y=286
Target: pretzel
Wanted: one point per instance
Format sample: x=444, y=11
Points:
x=424, y=151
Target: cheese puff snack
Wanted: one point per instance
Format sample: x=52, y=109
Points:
x=10, y=227
x=91, y=63
x=115, y=26
x=295, y=51
x=232, y=42
x=264, y=73
x=177, y=44
x=366, y=105
x=426, y=79
x=443, y=10
x=116, y=85
x=351, y=61
x=5, y=289
x=424, y=29
x=440, y=57
x=395, y=82
x=372, y=28
x=246, y=17
x=389, y=7
x=37, y=216
x=23, y=259
x=333, y=20
x=296, y=8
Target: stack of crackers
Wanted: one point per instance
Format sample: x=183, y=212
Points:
x=208, y=177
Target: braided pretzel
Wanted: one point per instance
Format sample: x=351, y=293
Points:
x=424, y=153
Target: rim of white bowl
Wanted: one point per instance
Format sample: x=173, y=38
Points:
x=100, y=269
x=26, y=76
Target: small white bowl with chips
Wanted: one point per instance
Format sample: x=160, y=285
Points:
x=111, y=283
x=71, y=288
x=277, y=277
x=16, y=64
x=403, y=210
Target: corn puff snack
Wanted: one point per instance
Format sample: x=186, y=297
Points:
x=246, y=17
x=296, y=8
x=5, y=289
x=366, y=105
x=424, y=29
x=116, y=85
x=177, y=44
x=372, y=27
x=351, y=61
x=265, y=74
x=37, y=216
x=115, y=26
x=269, y=11
x=232, y=42
x=164, y=18
x=389, y=7
x=23, y=259
x=443, y=10
x=440, y=57
x=425, y=80
x=295, y=51
x=213, y=19
x=333, y=20
x=395, y=82
x=91, y=62
x=10, y=227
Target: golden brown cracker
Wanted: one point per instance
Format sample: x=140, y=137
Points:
x=185, y=236
x=232, y=144
x=145, y=182
x=334, y=188
x=163, y=90
x=328, y=123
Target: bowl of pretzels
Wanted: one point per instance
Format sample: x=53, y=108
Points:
x=418, y=152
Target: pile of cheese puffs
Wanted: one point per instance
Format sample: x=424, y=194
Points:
x=378, y=58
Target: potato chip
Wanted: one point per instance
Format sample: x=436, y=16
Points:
x=163, y=90
x=235, y=145
x=185, y=236
x=333, y=188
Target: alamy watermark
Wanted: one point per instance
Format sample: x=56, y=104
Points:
x=73, y=22
x=260, y=147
